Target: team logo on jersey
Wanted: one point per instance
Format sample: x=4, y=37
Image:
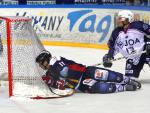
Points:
x=131, y=42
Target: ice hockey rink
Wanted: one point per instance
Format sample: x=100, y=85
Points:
x=124, y=102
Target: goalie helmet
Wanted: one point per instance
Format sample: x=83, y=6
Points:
x=126, y=14
x=43, y=56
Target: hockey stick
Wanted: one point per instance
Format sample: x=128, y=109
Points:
x=66, y=92
x=56, y=93
x=120, y=58
x=59, y=93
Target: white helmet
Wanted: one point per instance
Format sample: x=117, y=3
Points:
x=126, y=14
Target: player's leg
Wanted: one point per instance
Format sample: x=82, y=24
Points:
x=101, y=74
x=133, y=68
x=92, y=86
x=148, y=59
x=112, y=87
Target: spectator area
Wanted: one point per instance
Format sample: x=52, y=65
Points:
x=102, y=2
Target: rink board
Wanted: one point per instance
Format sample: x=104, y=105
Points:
x=74, y=25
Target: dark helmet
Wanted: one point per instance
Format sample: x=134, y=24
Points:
x=43, y=56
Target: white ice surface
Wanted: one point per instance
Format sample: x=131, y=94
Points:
x=125, y=102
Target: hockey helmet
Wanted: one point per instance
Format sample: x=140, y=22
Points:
x=126, y=14
x=43, y=56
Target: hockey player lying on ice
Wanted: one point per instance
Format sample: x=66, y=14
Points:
x=63, y=73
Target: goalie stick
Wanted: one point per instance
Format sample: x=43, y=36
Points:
x=120, y=58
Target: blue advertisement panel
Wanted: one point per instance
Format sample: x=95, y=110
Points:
x=73, y=23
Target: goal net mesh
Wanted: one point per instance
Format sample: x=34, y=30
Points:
x=19, y=46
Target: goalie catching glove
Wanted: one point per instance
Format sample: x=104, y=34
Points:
x=48, y=80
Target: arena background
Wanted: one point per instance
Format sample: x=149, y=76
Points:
x=85, y=24
x=73, y=25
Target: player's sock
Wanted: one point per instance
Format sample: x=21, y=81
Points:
x=119, y=88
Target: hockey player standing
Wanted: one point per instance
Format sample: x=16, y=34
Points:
x=130, y=37
x=63, y=73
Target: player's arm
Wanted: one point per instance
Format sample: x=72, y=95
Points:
x=144, y=27
x=54, y=83
x=111, y=45
x=53, y=79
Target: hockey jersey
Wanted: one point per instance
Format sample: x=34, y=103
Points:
x=129, y=41
x=68, y=70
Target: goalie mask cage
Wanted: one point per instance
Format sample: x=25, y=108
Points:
x=20, y=46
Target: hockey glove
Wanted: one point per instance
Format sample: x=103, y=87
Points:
x=60, y=84
x=147, y=48
x=107, y=61
x=48, y=80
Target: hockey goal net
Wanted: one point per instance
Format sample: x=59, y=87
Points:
x=19, y=46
